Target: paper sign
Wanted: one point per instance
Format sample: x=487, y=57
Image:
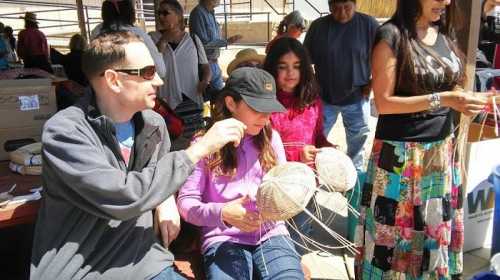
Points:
x=29, y=103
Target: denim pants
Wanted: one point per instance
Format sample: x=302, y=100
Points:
x=168, y=274
x=216, y=81
x=355, y=118
x=275, y=258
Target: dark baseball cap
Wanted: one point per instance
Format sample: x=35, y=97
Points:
x=256, y=87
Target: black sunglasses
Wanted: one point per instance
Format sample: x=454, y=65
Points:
x=147, y=72
x=163, y=13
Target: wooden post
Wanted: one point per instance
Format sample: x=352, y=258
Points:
x=466, y=24
x=156, y=8
x=81, y=19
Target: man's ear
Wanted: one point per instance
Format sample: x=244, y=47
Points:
x=112, y=80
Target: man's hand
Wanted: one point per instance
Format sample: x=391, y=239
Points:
x=221, y=133
x=235, y=214
x=234, y=39
x=169, y=220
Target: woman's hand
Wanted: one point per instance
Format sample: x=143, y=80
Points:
x=235, y=214
x=308, y=154
x=468, y=103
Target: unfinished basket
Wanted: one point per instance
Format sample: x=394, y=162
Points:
x=335, y=170
x=285, y=191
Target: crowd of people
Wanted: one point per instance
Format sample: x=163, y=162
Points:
x=108, y=161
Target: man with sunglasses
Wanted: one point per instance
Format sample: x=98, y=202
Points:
x=107, y=165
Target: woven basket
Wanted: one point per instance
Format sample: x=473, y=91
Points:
x=335, y=169
x=285, y=191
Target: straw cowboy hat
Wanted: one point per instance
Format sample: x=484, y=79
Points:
x=243, y=56
x=29, y=16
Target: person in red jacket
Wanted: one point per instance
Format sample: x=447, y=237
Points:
x=32, y=46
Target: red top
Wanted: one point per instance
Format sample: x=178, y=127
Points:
x=32, y=42
x=299, y=127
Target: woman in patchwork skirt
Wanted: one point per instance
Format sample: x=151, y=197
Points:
x=411, y=223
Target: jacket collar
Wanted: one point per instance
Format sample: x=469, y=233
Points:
x=147, y=129
x=88, y=104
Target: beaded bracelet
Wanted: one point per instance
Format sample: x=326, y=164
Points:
x=434, y=101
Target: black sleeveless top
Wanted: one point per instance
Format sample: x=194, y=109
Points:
x=437, y=68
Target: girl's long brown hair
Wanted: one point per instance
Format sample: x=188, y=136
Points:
x=225, y=161
x=307, y=90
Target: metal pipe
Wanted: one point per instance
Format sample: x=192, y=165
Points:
x=314, y=7
x=44, y=4
x=274, y=9
x=225, y=22
x=268, y=27
x=42, y=11
x=81, y=19
x=88, y=22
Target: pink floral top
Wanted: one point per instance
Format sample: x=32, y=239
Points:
x=299, y=127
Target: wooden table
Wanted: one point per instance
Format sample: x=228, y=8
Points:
x=188, y=265
x=19, y=213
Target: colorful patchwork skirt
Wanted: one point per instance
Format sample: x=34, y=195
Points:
x=411, y=223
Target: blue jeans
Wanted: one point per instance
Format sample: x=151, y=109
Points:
x=274, y=259
x=355, y=118
x=216, y=81
x=168, y=274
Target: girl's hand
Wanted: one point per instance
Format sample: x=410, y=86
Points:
x=468, y=103
x=308, y=154
x=235, y=214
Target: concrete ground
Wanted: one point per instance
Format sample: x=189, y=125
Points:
x=338, y=264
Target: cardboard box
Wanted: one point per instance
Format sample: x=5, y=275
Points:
x=478, y=132
x=483, y=154
x=7, y=134
x=26, y=103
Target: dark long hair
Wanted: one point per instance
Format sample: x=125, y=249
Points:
x=307, y=89
x=117, y=13
x=225, y=161
x=405, y=19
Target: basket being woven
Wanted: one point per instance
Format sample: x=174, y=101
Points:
x=285, y=191
x=335, y=169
